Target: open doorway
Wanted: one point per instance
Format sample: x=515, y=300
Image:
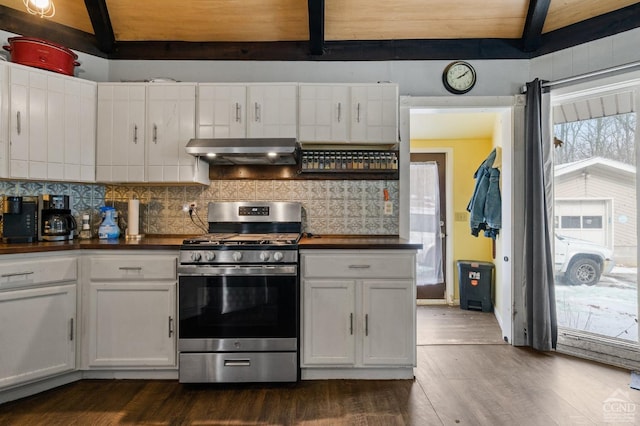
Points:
x=463, y=155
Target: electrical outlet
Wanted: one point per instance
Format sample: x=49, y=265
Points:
x=388, y=208
x=189, y=207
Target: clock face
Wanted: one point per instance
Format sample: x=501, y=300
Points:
x=459, y=77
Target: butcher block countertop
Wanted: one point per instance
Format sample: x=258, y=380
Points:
x=169, y=242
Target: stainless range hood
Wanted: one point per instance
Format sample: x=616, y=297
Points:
x=261, y=151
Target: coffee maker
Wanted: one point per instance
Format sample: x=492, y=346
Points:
x=19, y=219
x=56, y=223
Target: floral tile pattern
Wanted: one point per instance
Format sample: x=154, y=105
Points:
x=329, y=206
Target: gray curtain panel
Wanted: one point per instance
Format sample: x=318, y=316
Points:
x=538, y=279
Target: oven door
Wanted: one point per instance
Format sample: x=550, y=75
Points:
x=238, y=309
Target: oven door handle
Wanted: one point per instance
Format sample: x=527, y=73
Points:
x=195, y=270
x=237, y=363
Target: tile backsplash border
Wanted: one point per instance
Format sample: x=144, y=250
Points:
x=347, y=207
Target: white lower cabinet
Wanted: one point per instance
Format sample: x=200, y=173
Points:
x=37, y=319
x=358, y=313
x=131, y=311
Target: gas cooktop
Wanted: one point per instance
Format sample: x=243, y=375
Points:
x=226, y=239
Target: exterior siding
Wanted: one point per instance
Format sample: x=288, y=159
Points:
x=607, y=186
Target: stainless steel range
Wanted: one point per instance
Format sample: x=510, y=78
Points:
x=238, y=295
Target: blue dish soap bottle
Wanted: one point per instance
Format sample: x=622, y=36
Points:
x=108, y=228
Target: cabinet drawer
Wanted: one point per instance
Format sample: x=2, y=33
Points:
x=37, y=271
x=361, y=265
x=133, y=268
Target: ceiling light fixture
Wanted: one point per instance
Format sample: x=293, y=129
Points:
x=42, y=8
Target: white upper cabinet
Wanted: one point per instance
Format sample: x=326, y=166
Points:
x=171, y=122
x=80, y=131
x=357, y=113
x=52, y=117
x=247, y=110
x=222, y=111
x=121, y=132
x=142, y=131
x=324, y=113
x=4, y=116
x=272, y=110
x=374, y=113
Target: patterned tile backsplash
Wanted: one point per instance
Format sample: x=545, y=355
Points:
x=349, y=207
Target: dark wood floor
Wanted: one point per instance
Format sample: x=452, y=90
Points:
x=479, y=381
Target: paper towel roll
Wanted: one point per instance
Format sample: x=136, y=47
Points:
x=133, y=218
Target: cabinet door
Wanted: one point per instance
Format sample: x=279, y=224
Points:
x=389, y=324
x=4, y=119
x=37, y=337
x=54, y=102
x=272, y=110
x=222, y=111
x=29, y=131
x=328, y=334
x=19, y=124
x=324, y=113
x=171, y=123
x=79, y=130
x=121, y=132
x=132, y=324
x=374, y=113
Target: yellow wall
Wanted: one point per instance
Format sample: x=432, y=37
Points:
x=468, y=154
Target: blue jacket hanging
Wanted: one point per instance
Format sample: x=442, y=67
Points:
x=485, y=207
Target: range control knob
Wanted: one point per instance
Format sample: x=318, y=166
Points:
x=236, y=256
x=264, y=256
x=277, y=256
x=196, y=256
x=209, y=256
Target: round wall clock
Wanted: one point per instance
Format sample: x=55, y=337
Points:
x=459, y=77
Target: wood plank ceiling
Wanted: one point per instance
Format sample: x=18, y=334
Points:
x=323, y=29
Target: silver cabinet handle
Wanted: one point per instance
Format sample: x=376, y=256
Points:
x=16, y=274
x=130, y=268
x=366, y=325
x=71, y=329
x=237, y=363
x=257, y=112
x=358, y=113
x=155, y=134
x=18, y=126
x=238, y=110
x=135, y=133
x=359, y=266
x=170, y=326
x=339, y=111
x=351, y=323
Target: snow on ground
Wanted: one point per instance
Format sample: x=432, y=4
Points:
x=609, y=308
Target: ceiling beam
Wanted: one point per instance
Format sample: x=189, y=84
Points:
x=316, y=26
x=382, y=50
x=532, y=33
x=99, y=15
x=618, y=21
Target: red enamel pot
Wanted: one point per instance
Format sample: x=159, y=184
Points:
x=44, y=54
